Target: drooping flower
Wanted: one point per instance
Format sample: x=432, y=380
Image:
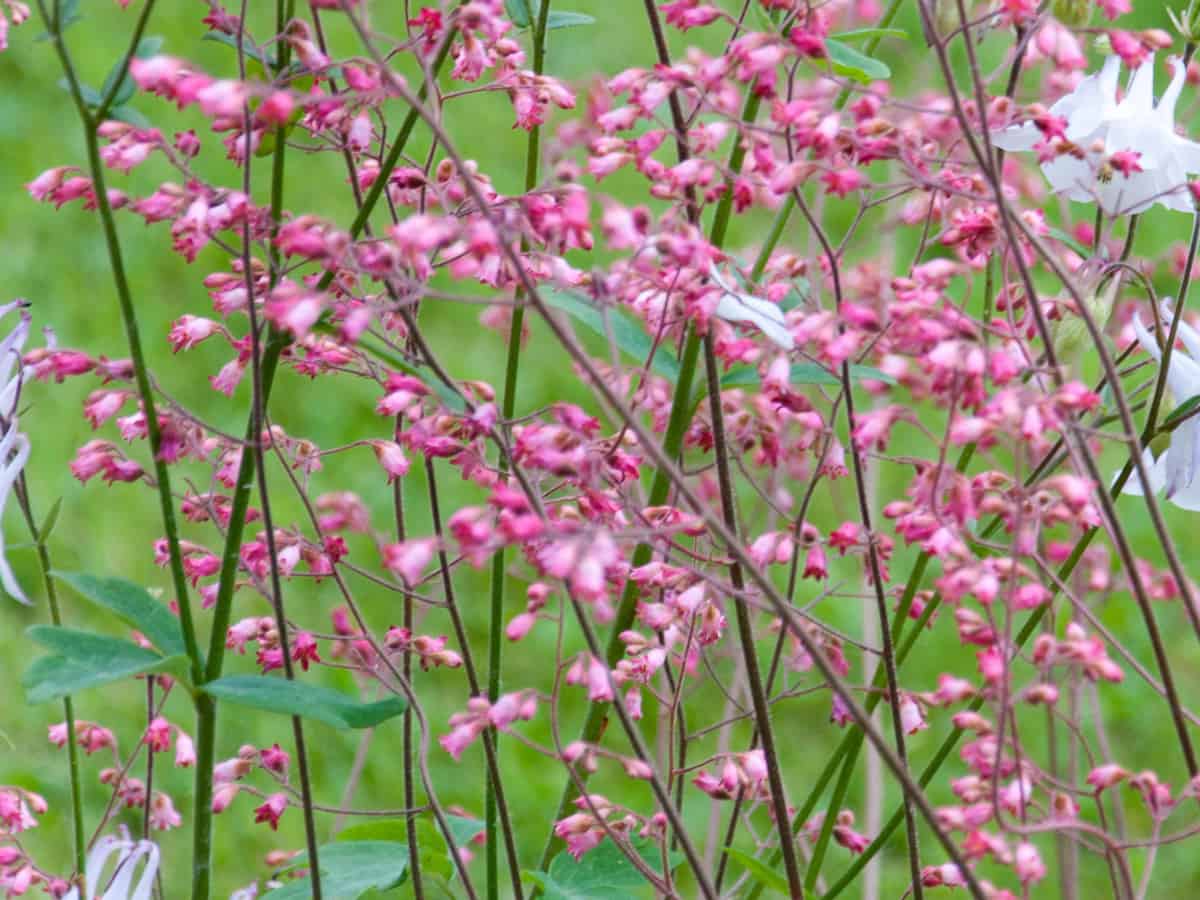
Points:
x=1175, y=470
x=119, y=883
x=1123, y=155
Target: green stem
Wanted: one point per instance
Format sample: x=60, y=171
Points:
x=672, y=443
x=512, y=367
x=43, y=553
x=222, y=608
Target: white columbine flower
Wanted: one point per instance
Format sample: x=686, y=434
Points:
x=763, y=314
x=120, y=881
x=1152, y=161
x=1175, y=470
x=14, y=446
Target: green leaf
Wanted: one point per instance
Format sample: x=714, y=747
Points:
x=149, y=46
x=130, y=115
x=255, y=53
x=518, y=11
x=806, y=373
x=132, y=605
x=450, y=398
x=84, y=660
x=376, y=830
x=631, y=338
x=866, y=34
x=146, y=48
x=1062, y=237
x=89, y=94
x=349, y=869
x=759, y=872
x=853, y=64
x=1182, y=410
x=296, y=698
x=567, y=19
x=604, y=873
x=48, y=523
x=465, y=829
x=433, y=852
x=68, y=15
x=813, y=373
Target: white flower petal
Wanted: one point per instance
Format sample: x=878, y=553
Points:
x=1146, y=339
x=763, y=314
x=1017, y=138
x=1187, y=334
x=1165, y=108
x=121, y=887
x=1156, y=469
x=1182, y=457
x=1139, y=98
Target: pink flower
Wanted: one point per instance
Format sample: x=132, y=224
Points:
x=1105, y=776
x=158, y=735
x=844, y=833
x=911, y=718
x=274, y=759
x=272, y=810
x=391, y=458
x=188, y=331
x=304, y=649
x=841, y=182
x=185, y=750
x=163, y=816
x=409, y=559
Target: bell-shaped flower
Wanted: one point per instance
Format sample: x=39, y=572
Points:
x=118, y=884
x=763, y=314
x=1124, y=155
x=1175, y=470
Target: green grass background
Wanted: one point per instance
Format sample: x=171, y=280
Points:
x=58, y=261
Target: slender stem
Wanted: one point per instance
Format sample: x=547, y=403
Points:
x=1160, y=383
x=133, y=338
x=533, y=152
x=889, y=659
x=410, y=794
x=230, y=556
x=464, y=646
x=79, y=842
x=638, y=742
x=758, y=697
x=258, y=419
x=139, y=29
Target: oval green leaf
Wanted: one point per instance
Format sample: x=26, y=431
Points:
x=297, y=698
x=350, y=869
x=83, y=660
x=849, y=62
x=133, y=605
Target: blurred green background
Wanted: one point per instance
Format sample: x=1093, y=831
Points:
x=58, y=261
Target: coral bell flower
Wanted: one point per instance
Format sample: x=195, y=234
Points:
x=1126, y=156
x=1175, y=470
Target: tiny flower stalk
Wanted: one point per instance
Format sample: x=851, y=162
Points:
x=533, y=153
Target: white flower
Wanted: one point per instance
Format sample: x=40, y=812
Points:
x=120, y=881
x=1098, y=127
x=14, y=446
x=763, y=314
x=1175, y=471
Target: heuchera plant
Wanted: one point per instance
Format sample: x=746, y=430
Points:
x=901, y=393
